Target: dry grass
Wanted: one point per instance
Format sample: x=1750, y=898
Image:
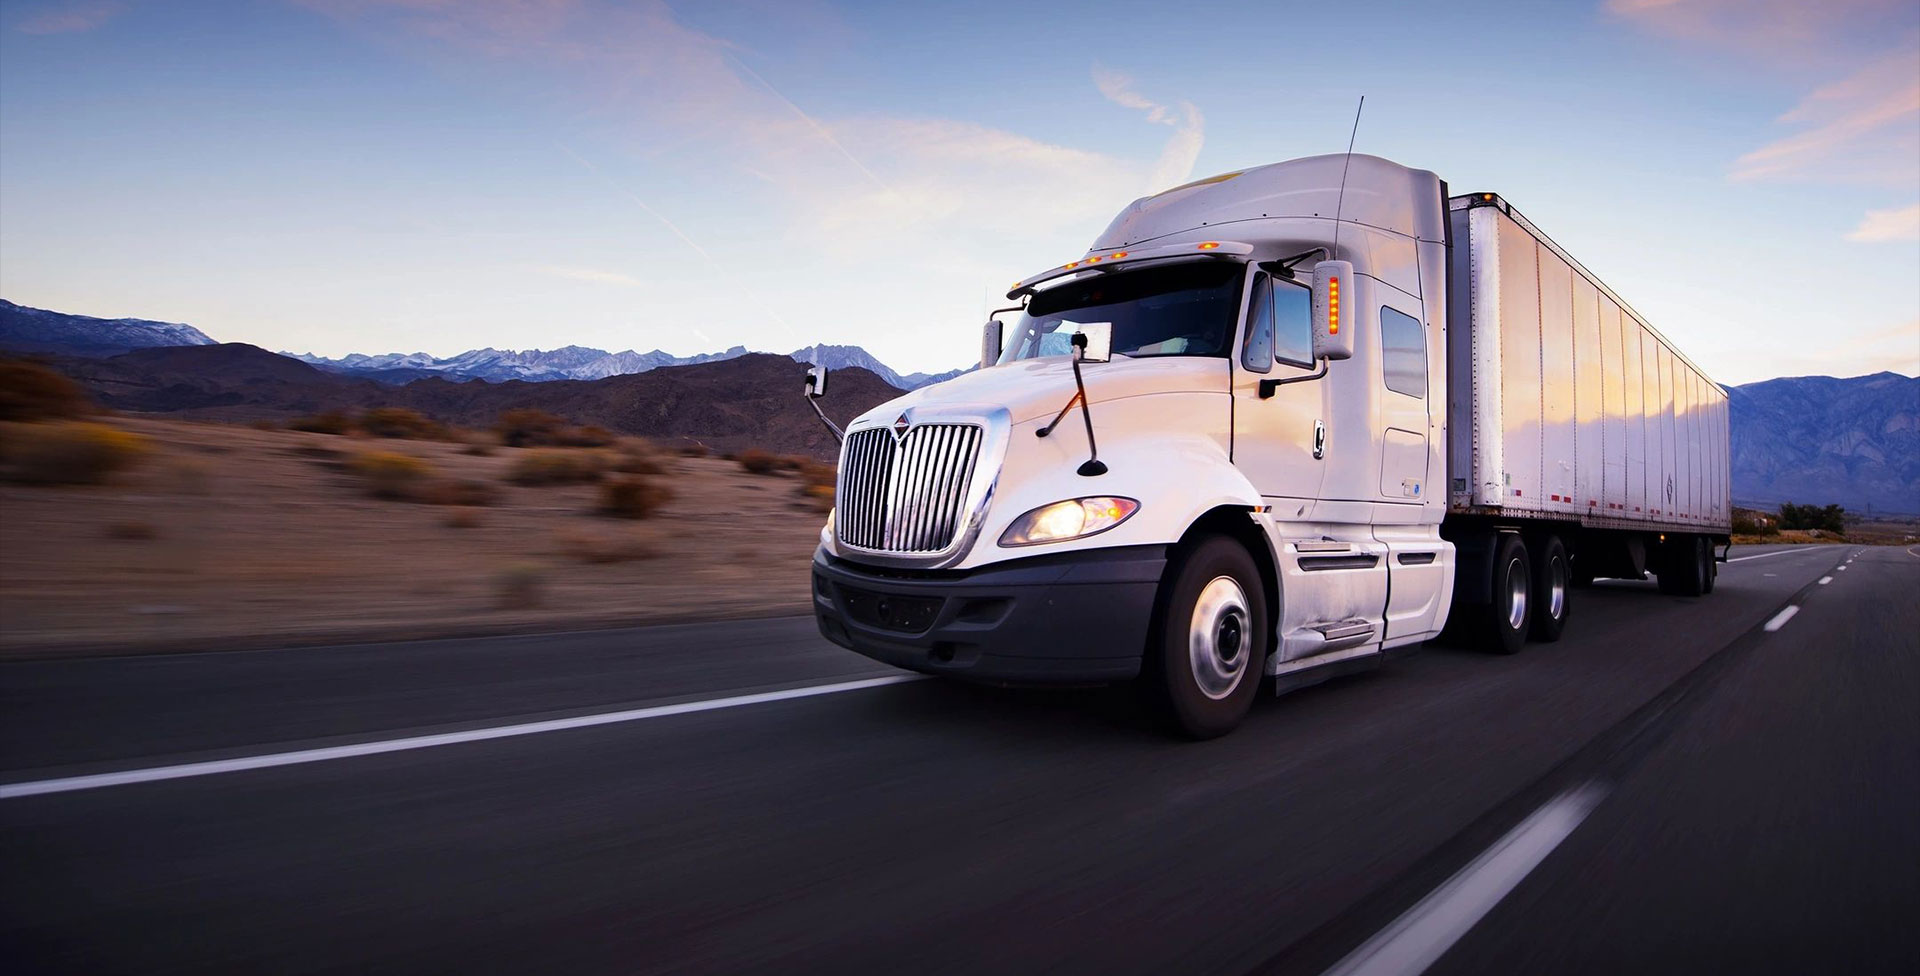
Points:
x=401, y=423
x=390, y=475
x=556, y=468
x=602, y=548
x=325, y=422
x=68, y=453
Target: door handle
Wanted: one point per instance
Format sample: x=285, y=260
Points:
x=1319, y=440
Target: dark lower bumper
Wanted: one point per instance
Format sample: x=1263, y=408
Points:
x=1059, y=619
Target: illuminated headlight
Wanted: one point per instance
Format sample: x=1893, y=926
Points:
x=1071, y=519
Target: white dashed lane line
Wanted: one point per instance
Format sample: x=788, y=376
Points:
x=1780, y=619
x=1824, y=580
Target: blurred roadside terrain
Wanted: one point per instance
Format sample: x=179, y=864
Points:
x=125, y=532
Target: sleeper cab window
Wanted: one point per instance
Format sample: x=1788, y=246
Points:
x=1279, y=324
x=1403, y=360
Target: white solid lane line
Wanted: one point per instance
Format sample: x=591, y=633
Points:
x=1418, y=938
x=67, y=784
x=1776, y=552
x=1824, y=580
x=1843, y=568
x=1780, y=619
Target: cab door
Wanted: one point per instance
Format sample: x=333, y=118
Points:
x=1279, y=431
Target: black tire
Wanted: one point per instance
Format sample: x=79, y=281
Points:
x=1684, y=566
x=1210, y=670
x=1552, y=591
x=1509, y=614
x=1713, y=569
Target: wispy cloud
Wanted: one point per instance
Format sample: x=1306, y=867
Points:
x=70, y=18
x=1176, y=160
x=591, y=275
x=1863, y=128
x=1880, y=226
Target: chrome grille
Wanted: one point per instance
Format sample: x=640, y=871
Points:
x=906, y=496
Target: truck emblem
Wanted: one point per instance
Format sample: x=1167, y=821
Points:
x=900, y=425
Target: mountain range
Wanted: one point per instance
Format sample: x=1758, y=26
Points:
x=583, y=363
x=1810, y=439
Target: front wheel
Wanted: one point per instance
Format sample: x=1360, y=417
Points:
x=1211, y=651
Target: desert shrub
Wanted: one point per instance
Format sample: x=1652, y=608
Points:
x=457, y=491
x=555, y=468
x=520, y=586
x=633, y=497
x=131, y=531
x=399, y=422
x=636, y=456
x=325, y=422
x=604, y=547
x=1746, y=522
x=691, y=449
x=756, y=461
x=30, y=391
x=588, y=436
x=814, y=473
x=71, y=453
x=389, y=475
x=528, y=427
x=819, y=497
x=476, y=443
x=1832, y=518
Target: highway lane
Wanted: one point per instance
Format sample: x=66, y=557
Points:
x=926, y=827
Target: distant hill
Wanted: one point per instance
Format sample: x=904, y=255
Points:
x=499, y=365
x=1820, y=440
x=39, y=331
x=753, y=400
x=844, y=357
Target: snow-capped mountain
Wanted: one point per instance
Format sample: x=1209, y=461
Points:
x=37, y=330
x=842, y=357
x=498, y=365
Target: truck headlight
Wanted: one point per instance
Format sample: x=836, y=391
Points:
x=1071, y=519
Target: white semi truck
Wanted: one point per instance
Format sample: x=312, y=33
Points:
x=1275, y=424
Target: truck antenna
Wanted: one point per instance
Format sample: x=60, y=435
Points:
x=1340, y=201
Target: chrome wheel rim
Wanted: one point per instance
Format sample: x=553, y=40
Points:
x=1557, y=576
x=1219, y=637
x=1516, y=594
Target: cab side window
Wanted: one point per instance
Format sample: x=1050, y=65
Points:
x=1403, y=343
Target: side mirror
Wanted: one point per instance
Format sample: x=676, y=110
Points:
x=817, y=381
x=990, y=342
x=1332, y=310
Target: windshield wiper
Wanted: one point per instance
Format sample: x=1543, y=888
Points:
x=1093, y=465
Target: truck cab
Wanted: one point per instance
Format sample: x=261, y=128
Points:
x=1208, y=452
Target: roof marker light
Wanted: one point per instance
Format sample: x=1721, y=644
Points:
x=1117, y=255
x=1094, y=260
x=1070, y=264
x=1209, y=245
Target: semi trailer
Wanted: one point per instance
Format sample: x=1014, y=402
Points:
x=1275, y=425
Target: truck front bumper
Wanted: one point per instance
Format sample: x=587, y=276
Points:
x=1066, y=618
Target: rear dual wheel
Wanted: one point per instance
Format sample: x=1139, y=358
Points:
x=1687, y=567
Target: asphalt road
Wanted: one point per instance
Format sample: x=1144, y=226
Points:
x=1671, y=788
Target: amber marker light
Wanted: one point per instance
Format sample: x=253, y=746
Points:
x=1117, y=255
x=1209, y=245
x=1333, y=305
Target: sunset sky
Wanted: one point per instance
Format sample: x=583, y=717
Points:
x=397, y=175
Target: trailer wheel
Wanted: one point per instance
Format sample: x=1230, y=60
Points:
x=1713, y=568
x=1212, y=640
x=1686, y=566
x=1552, y=591
x=1509, y=614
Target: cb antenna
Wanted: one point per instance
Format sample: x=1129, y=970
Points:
x=1341, y=200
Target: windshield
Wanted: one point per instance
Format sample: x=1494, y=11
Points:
x=1183, y=310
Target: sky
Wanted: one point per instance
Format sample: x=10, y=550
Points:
x=373, y=176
